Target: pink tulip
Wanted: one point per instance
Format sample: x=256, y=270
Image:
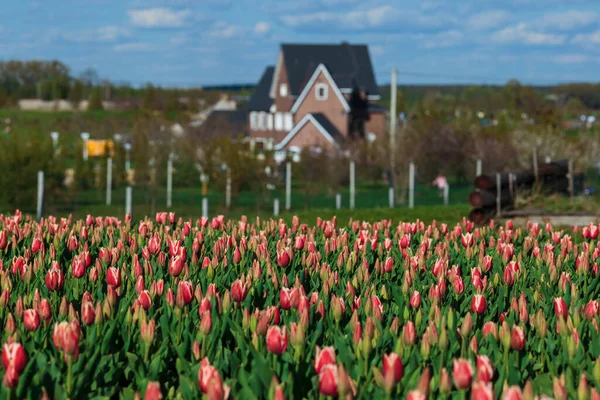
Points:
x=277, y=339
x=462, y=373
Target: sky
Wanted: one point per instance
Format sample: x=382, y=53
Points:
x=190, y=43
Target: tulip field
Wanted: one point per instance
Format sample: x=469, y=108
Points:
x=261, y=309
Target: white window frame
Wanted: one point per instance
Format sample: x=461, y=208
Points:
x=288, y=122
x=278, y=121
x=318, y=88
x=254, y=120
x=270, y=122
x=262, y=120
x=283, y=90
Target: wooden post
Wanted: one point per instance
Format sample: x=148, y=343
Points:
x=391, y=196
x=128, y=200
x=288, y=185
x=571, y=179
x=411, y=185
x=108, y=181
x=338, y=201
x=40, y=195
x=352, y=183
x=479, y=168
x=170, y=181
x=205, y=207
x=276, y=207
x=498, y=193
x=446, y=194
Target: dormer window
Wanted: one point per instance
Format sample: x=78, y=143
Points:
x=283, y=90
x=321, y=91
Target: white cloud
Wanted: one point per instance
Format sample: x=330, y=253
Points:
x=442, y=39
x=571, y=58
x=104, y=34
x=133, y=47
x=488, y=19
x=224, y=30
x=521, y=33
x=374, y=17
x=377, y=50
x=262, y=27
x=158, y=17
x=585, y=38
x=568, y=20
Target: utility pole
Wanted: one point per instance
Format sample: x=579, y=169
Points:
x=393, y=115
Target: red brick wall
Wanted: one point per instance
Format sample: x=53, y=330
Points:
x=376, y=124
x=332, y=108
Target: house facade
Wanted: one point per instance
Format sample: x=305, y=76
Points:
x=316, y=95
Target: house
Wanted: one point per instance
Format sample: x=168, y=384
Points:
x=317, y=95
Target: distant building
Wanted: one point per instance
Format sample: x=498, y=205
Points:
x=317, y=95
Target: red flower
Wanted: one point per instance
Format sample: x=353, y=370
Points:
x=186, y=291
x=512, y=393
x=324, y=356
x=55, y=279
x=328, y=380
x=458, y=285
x=113, y=277
x=78, y=267
x=592, y=309
x=206, y=323
x=485, y=369
x=153, y=391
x=409, y=333
x=482, y=391
x=277, y=339
x=478, y=304
x=14, y=354
x=285, y=298
x=415, y=395
x=283, y=258
x=489, y=328
x=31, y=319
x=145, y=300
x=560, y=307
x=517, y=338
x=467, y=240
x=405, y=241
x=176, y=266
x=88, y=314
x=239, y=290
x=206, y=373
x=392, y=368
x=66, y=338
x=462, y=373
x=389, y=264
x=415, y=299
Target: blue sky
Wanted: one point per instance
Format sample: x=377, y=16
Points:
x=202, y=42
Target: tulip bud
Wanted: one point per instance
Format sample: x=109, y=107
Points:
x=583, y=390
x=64, y=307
x=196, y=350
x=467, y=325
x=558, y=388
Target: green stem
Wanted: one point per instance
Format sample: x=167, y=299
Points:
x=8, y=393
x=506, y=361
x=69, y=375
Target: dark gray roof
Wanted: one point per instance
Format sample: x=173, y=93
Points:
x=328, y=126
x=222, y=123
x=261, y=100
x=349, y=65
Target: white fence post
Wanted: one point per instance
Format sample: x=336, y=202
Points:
x=411, y=185
x=128, y=200
x=352, y=183
x=205, y=207
x=276, y=207
x=108, y=181
x=40, y=194
x=85, y=137
x=446, y=194
x=338, y=201
x=479, y=168
x=498, y=196
x=288, y=185
x=170, y=181
x=228, y=189
x=548, y=159
x=391, y=197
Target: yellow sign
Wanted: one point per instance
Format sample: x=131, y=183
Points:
x=98, y=148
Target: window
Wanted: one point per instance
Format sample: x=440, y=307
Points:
x=278, y=122
x=270, y=122
x=253, y=121
x=283, y=92
x=321, y=91
x=288, y=122
x=262, y=123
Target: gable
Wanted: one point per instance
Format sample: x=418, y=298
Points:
x=307, y=122
x=260, y=99
x=321, y=71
